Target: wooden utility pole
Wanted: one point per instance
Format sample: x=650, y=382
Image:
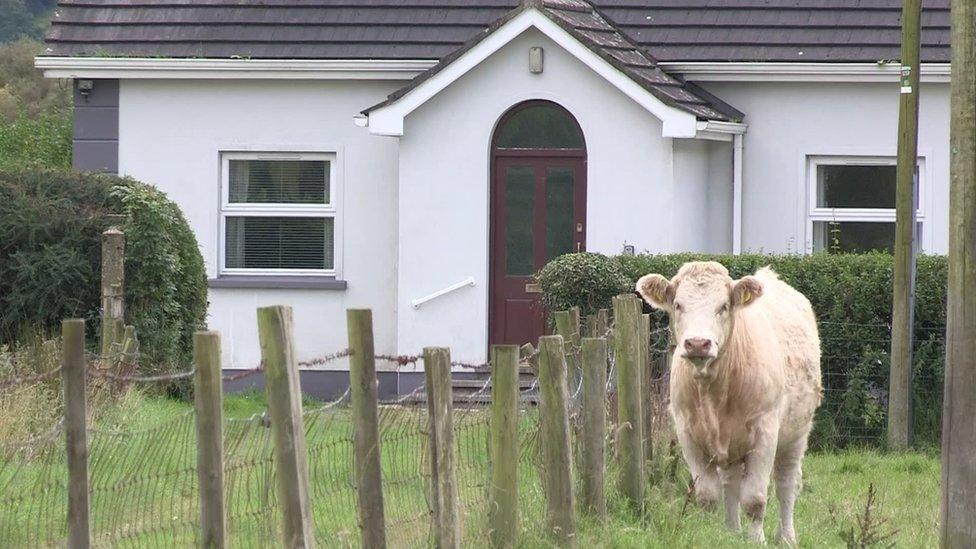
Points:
x=958, y=529
x=903, y=304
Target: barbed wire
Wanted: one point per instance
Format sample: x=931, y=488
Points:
x=30, y=379
x=175, y=376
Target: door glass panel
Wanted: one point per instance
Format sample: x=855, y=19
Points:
x=520, y=218
x=541, y=126
x=559, y=211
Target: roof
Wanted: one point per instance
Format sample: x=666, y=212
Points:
x=670, y=30
x=590, y=28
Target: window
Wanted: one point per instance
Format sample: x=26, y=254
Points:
x=852, y=204
x=278, y=214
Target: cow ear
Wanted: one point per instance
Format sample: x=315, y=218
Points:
x=656, y=290
x=746, y=291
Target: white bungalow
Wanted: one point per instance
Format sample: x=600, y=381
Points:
x=327, y=159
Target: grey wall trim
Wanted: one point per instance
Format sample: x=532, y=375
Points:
x=96, y=130
x=331, y=384
x=280, y=282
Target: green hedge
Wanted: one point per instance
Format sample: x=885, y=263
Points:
x=851, y=295
x=50, y=224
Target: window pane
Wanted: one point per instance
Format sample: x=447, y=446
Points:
x=853, y=236
x=856, y=186
x=279, y=181
x=542, y=126
x=519, y=220
x=559, y=212
x=280, y=243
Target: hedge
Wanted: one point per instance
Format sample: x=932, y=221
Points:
x=850, y=294
x=50, y=253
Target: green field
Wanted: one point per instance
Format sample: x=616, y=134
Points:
x=144, y=488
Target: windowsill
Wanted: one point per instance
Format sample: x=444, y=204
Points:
x=277, y=282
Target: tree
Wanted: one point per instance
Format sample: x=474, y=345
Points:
x=16, y=21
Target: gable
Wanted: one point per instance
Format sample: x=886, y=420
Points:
x=582, y=32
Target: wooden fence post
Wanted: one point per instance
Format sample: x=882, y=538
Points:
x=504, y=451
x=74, y=374
x=594, y=426
x=630, y=444
x=366, y=435
x=596, y=324
x=647, y=376
x=567, y=325
x=208, y=397
x=287, y=423
x=556, y=451
x=443, y=489
x=113, y=287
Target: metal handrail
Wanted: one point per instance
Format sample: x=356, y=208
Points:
x=466, y=282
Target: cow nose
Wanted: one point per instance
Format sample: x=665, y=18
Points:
x=697, y=347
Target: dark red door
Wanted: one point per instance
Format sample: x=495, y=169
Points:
x=538, y=212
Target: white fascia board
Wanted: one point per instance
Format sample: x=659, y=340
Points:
x=801, y=72
x=388, y=120
x=287, y=69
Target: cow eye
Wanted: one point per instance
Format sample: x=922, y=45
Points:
x=677, y=307
x=723, y=309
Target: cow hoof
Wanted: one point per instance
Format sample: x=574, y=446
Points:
x=787, y=539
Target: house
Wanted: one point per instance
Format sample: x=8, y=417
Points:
x=425, y=159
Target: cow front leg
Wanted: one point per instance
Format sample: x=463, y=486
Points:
x=755, y=480
x=731, y=486
x=703, y=472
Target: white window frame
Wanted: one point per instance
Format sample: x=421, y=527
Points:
x=863, y=215
x=329, y=210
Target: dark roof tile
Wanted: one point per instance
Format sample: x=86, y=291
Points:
x=670, y=30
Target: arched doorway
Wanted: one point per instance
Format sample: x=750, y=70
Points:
x=538, y=211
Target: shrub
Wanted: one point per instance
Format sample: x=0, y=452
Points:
x=850, y=294
x=35, y=112
x=50, y=226
x=586, y=280
x=40, y=142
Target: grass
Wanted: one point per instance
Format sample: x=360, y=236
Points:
x=144, y=488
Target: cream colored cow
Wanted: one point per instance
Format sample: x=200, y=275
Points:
x=745, y=382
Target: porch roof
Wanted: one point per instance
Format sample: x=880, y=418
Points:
x=588, y=27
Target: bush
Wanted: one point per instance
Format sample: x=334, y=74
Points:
x=40, y=142
x=586, y=280
x=50, y=253
x=850, y=294
x=35, y=112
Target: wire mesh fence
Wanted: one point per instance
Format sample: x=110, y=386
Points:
x=144, y=485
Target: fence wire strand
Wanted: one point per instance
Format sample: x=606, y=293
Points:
x=143, y=479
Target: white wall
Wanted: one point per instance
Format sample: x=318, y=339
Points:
x=789, y=121
x=444, y=174
x=701, y=218
x=170, y=134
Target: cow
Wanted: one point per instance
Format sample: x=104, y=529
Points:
x=744, y=385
